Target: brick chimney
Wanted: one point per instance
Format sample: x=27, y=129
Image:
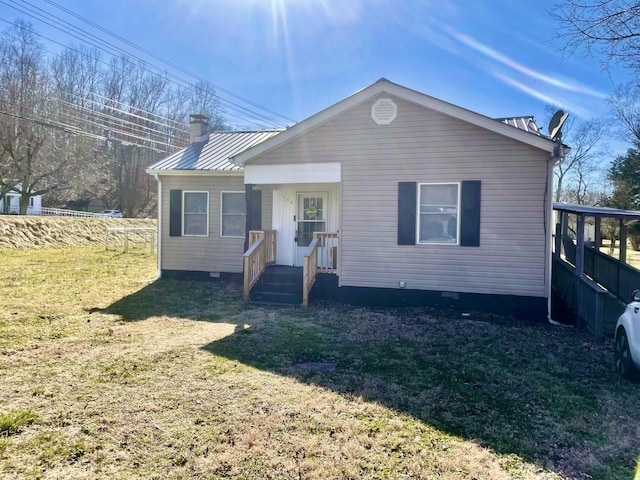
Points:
x=199, y=127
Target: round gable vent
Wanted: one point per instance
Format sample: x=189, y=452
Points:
x=384, y=111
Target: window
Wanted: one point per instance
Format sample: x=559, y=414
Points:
x=417, y=203
x=438, y=213
x=311, y=216
x=233, y=215
x=196, y=214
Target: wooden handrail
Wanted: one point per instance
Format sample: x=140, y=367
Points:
x=270, y=240
x=254, y=265
x=309, y=270
x=328, y=251
x=262, y=252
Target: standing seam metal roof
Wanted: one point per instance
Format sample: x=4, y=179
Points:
x=214, y=154
x=528, y=124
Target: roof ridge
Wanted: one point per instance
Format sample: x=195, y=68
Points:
x=266, y=130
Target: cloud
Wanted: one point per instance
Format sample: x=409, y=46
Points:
x=550, y=99
x=504, y=60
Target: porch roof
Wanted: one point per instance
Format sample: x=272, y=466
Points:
x=589, y=211
x=212, y=154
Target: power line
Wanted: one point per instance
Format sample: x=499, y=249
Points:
x=252, y=120
x=166, y=62
x=74, y=129
x=81, y=34
x=103, y=121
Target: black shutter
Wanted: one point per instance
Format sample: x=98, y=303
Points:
x=254, y=211
x=175, y=213
x=470, y=213
x=407, y=192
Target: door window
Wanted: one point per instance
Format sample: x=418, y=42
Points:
x=311, y=217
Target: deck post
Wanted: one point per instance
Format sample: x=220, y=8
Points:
x=580, y=245
x=558, y=240
x=564, y=226
x=623, y=241
x=598, y=234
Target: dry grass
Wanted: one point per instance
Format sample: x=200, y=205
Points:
x=19, y=231
x=179, y=379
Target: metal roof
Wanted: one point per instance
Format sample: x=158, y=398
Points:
x=214, y=154
x=528, y=124
x=597, y=211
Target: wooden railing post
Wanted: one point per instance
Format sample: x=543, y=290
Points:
x=254, y=264
x=309, y=270
x=580, y=245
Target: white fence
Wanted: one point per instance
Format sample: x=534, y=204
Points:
x=60, y=212
x=123, y=236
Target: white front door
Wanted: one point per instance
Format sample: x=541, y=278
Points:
x=311, y=216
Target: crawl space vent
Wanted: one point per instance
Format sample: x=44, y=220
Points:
x=384, y=111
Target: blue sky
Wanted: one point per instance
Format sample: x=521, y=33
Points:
x=297, y=57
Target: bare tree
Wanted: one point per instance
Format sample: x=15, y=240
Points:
x=625, y=108
x=33, y=142
x=576, y=176
x=609, y=29
x=106, y=124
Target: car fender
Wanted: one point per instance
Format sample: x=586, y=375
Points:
x=630, y=320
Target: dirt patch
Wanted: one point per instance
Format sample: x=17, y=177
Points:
x=39, y=232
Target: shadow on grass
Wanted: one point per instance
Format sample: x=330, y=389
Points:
x=547, y=394
x=192, y=299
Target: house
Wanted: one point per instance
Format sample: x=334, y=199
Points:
x=410, y=198
x=10, y=204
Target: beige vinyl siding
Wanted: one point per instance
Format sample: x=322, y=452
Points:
x=424, y=146
x=213, y=253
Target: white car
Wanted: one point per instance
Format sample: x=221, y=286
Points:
x=112, y=213
x=627, y=339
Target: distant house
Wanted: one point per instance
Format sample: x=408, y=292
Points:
x=10, y=204
x=412, y=198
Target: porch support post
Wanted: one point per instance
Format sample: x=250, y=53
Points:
x=248, y=196
x=558, y=235
x=623, y=241
x=580, y=246
x=564, y=222
x=564, y=226
x=598, y=234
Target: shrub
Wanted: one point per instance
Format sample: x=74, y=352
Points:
x=12, y=422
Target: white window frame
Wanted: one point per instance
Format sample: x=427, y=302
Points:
x=418, y=214
x=222, y=213
x=184, y=203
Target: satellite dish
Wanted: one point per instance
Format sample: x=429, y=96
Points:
x=556, y=123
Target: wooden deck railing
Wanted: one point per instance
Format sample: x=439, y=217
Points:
x=309, y=269
x=262, y=252
x=270, y=240
x=327, y=251
x=619, y=278
x=320, y=257
x=254, y=265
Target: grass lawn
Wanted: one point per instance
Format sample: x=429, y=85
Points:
x=103, y=377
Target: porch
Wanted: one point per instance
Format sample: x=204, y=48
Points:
x=320, y=256
x=593, y=285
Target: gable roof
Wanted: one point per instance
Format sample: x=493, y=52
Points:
x=500, y=126
x=212, y=154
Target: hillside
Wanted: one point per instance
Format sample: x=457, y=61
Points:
x=39, y=232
